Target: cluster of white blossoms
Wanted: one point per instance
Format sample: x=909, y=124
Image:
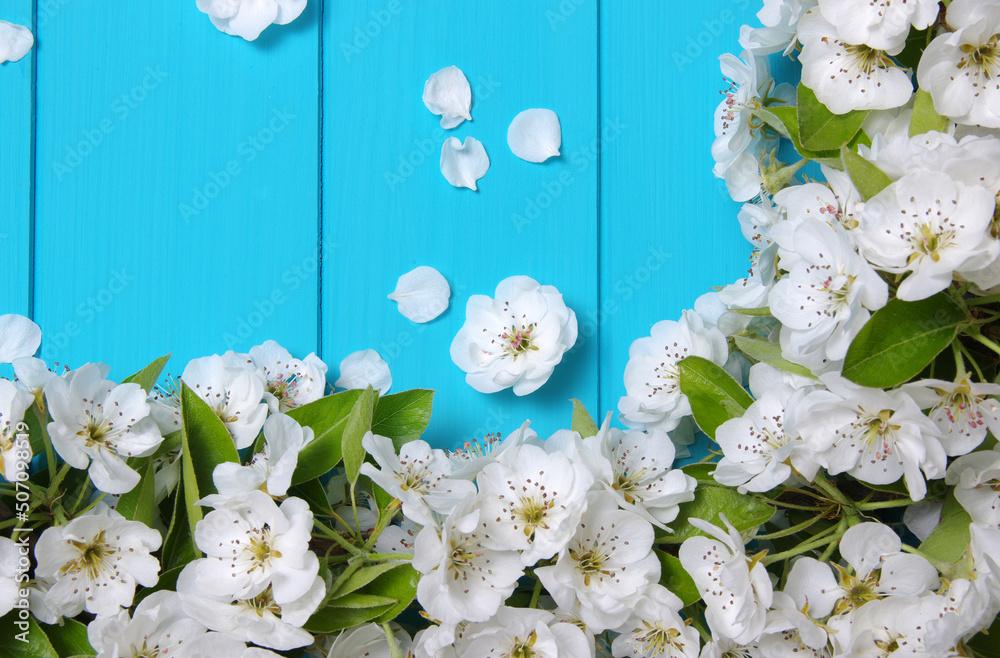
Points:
x=579, y=513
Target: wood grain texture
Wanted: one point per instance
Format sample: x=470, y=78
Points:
x=388, y=208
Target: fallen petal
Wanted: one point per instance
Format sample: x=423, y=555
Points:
x=422, y=294
x=15, y=41
x=363, y=369
x=535, y=135
x=448, y=93
x=464, y=164
x=19, y=337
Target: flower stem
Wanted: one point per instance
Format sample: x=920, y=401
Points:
x=50, y=455
x=986, y=341
x=972, y=360
x=394, y=650
x=815, y=542
x=884, y=504
x=384, y=519
x=335, y=536
x=385, y=557
x=535, y=593
x=838, y=496
x=796, y=528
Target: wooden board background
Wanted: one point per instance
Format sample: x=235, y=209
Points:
x=165, y=186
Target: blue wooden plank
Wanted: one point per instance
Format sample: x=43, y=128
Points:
x=668, y=227
x=15, y=169
x=389, y=208
x=177, y=185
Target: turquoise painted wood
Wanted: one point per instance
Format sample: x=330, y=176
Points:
x=196, y=193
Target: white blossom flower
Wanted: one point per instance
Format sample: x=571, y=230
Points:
x=158, y=627
x=735, y=588
x=248, y=18
x=473, y=457
x=849, y=76
x=95, y=561
x=19, y=336
x=895, y=625
x=874, y=435
x=271, y=469
x=881, y=24
x=961, y=69
x=930, y=226
x=364, y=368
x=15, y=42
x=535, y=135
x=32, y=376
x=532, y=501
x=961, y=409
x=790, y=632
x=462, y=579
x=606, y=567
x=368, y=640
x=516, y=339
x=10, y=555
x=422, y=294
x=234, y=392
x=165, y=406
x=251, y=544
x=99, y=424
x=257, y=618
x=418, y=477
x=780, y=20
x=14, y=455
x=636, y=467
x=976, y=478
x=288, y=382
x=523, y=632
x=447, y=93
x=653, y=397
x=656, y=629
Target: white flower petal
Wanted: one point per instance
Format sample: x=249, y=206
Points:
x=535, y=135
x=447, y=93
x=15, y=41
x=289, y=10
x=464, y=164
x=422, y=294
x=19, y=336
x=362, y=368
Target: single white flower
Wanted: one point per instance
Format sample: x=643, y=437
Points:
x=656, y=629
x=930, y=226
x=473, y=457
x=271, y=469
x=652, y=380
x=422, y=294
x=362, y=369
x=606, y=567
x=95, y=561
x=165, y=406
x=636, y=467
x=790, y=632
x=233, y=391
x=532, y=501
x=462, y=164
x=258, y=618
x=961, y=69
x=14, y=455
x=846, y=75
x=251, y=544
x=462, y=579
x=288, y=382
x=248, y=18
x=367, y=640
x=976, y=478
x=32, y=376
x=735, y=588
x=418, y=476
x=158, y=627
x=535, y=135
x=874, y=435
x=750, y=80
x=397, y=538
x=15, y=42
x=961, y=409
x=896, y=625
x=19, y=336
x=780, y=20
x=515, y=339
x=881, y=24
x=523, y=632
x=99, y=424
x=447, y=93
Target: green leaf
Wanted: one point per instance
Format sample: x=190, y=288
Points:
x=140, y=503
x=868, y=178
x=403, y=417
x=900, y=339
x=35, y=643
x=70, y=639
x=770, y=353
x=356, y=600
x=702, y=472
x=676, y=579
x=744, y=512
x=714, y=395
x=950, y=538
x=148, y=376
x=364, y=576
x=762, y=311
x=327, y=418
x=822, y=130
x=583, y=422
x=178, y=547
x=328, y=620
x=206, y=442
x=34, y=423
x=785, y=120
x=314, y=493
x=925, y=117
x=399, y=584
x=358, y=424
